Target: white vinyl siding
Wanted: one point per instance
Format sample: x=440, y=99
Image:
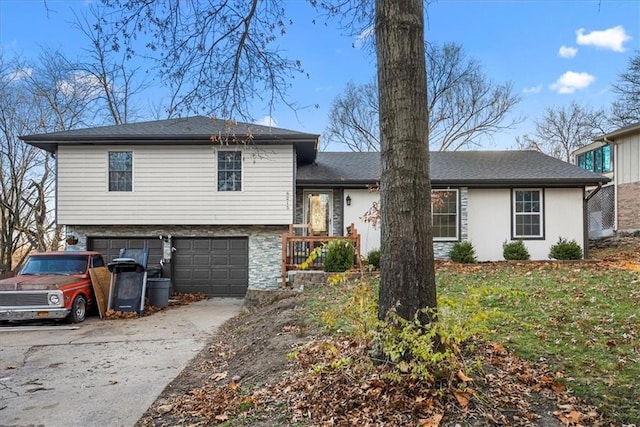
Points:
x=175, y=185
x=628, y=159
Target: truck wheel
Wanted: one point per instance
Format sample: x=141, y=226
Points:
x=78, y=310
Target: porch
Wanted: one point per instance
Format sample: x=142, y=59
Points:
x=299, y=242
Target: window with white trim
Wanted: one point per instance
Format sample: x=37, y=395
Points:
x=444, y=214
x=120, y=171
x=229, y=170
x=528, y=214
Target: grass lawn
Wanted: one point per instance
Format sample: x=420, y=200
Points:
x=581, y=319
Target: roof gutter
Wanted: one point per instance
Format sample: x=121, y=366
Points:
x=306, y=144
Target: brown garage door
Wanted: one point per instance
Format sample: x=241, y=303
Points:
x=212, y=266
x=110, y=247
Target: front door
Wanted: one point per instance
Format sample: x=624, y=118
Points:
x=318, y=212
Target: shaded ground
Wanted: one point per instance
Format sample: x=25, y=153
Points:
x=250, y=350
x=244, y=377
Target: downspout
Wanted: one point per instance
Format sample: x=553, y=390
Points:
x=585, y=220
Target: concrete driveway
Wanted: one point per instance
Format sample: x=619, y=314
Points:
x=100, y=372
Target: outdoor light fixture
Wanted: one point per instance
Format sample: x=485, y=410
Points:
x=348, y=200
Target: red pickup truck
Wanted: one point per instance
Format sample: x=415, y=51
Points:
x=51, y=285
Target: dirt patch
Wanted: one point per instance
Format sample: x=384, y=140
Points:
x=250, y=351
x=244, y=377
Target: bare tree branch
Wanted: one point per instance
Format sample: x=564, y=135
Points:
x=214, y=56
x=464, y=105
x=116, y=84
x=563, y=130
x=26, y=173
x=626, y=108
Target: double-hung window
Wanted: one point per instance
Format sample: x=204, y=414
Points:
x=120, y=171
x=229, y=170
x=444, y=214
x=528, y=214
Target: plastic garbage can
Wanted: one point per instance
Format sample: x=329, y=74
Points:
x=153, y=272
x=158, y=291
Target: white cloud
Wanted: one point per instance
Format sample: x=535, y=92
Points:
x=364, y=36
x=267, y=121
x=571, y=81
x=567, y=52
x=611, y=38
x=80, y=83
x=532, y=89
x=19, y=74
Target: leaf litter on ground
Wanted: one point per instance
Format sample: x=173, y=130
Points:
x=280, y=370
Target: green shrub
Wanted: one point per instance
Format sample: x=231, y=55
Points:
x=339, y=256
x=515, y=251
x=565, y=250
x=373, y=259
x=463, y=252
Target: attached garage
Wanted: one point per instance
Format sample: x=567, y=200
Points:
x=213, y=266
x=110, y=247
x=217, y=267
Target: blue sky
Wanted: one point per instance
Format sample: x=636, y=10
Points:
x=554, y=52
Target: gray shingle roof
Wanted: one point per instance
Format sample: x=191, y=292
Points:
x=197, y=129
x=469, y=168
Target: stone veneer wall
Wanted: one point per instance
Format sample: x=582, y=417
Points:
x=299, y=206
x=265, y=244
x=629, y=207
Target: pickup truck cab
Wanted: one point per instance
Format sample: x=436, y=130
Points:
x=51, y=285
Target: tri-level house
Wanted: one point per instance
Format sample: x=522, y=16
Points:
x=212, y=199
x=613, y=207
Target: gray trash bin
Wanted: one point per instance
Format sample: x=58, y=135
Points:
x=158, y=291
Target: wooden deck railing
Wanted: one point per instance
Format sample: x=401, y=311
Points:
x=297, y=248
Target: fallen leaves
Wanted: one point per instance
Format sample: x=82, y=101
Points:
x=112, y=314
x=218, y=376
x=568, y=415
x=175, y=300
x=462, y=397
x=433, y=421
x=360, y=394
x=330, y=381
x=463, y=377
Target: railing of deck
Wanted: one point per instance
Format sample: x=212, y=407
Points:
x=296, y=248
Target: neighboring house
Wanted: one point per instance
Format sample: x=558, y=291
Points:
x=211, y=199
x=614, y=207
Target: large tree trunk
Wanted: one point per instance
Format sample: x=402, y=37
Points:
x=407, y=268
